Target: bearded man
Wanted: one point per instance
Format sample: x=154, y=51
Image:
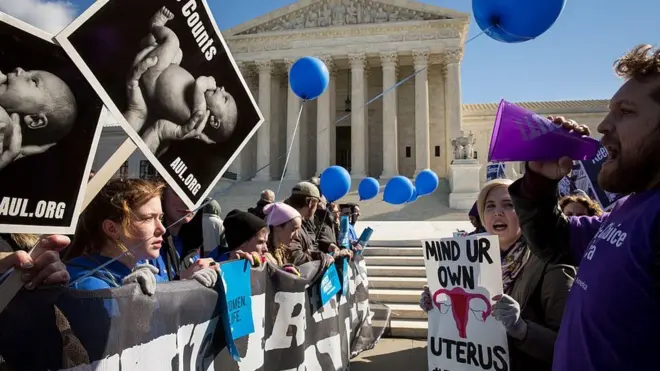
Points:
x=611, y=319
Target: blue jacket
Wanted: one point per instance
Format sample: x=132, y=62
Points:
x=108, y=277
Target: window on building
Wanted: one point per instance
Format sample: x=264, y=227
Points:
x=123, y=170
x=147, y=171
x=437, y=151
x=408, y=152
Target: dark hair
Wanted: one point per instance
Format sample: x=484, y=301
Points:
x=114, y=202
x=642, y=62
x=593, y=208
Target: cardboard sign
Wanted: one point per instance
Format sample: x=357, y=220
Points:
x=190, y=112
x=49, y=130
x=463, y=274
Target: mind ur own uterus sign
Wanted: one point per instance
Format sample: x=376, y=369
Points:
x=463, y=274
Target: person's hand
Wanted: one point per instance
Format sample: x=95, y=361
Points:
x=198, y=265
x=556, y=170
x=425, y=301
x=145, y=276
x=136, y=107
x=357, y=247
x=12, y=141
x=43, y=266
x=208, y=277
x=507, y=311
x=341, y=253
x=167, y=130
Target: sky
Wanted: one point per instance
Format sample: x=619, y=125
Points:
x=571, y=61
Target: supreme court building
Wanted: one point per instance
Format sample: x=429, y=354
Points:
x=368, y=46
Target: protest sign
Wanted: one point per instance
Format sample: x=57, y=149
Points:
x=463, y=274
x=495, y=170
x=200, y=112
x=180, y=326
x=49, y=131
x=584, y=176
x=236, y=302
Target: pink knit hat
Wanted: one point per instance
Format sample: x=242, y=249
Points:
x=279, y=213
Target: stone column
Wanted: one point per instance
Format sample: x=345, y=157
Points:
x=388, y=61
x=358, y=139
x=422, y=136
x=324, y=126
x=265, y=68
x=453, y=105
x=293, y=142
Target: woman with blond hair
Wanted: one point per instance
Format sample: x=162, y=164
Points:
x=532, y=305
x=119, y=229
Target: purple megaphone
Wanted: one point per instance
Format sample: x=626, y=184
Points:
x=460, y=300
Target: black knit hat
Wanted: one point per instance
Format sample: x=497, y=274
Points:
x=240, y=227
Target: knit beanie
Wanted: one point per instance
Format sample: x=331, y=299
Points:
x=280, y=213
x=240, y=227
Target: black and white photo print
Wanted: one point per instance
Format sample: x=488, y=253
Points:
x=49, y=131
x=186, y=105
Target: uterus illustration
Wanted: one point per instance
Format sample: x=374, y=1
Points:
x=460, y=306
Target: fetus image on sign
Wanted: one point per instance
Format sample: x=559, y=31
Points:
x=460, y=302
x=37, y=110
x=182, y=106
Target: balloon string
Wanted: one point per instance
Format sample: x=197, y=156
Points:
x=526, y=38
x=288, y=152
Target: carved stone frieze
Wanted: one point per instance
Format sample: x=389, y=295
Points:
x=342, y=12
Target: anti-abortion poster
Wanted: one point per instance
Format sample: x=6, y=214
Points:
x=463, y=274
x=180, y=327
x=584, y=177
x=186, y=105
x=495, y=170
x=49, y=131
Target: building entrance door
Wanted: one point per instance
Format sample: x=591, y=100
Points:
x=344, y=147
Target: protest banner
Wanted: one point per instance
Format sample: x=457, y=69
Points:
x=49, y=130
x=200, y=110
x=463, y=274
x=180, y=326
x=584, y=176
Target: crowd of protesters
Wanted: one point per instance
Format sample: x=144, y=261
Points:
x=140, y=231
x=581, y=288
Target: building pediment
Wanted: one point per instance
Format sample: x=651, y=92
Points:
x=311, y=14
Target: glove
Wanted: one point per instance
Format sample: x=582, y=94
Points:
x=207, y=277
x=145, y=276
x=425, y=301
x=507, y=311
x=290, y=268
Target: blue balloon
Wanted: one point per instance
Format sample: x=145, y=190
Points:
x=335, y=183
x=309, y=78
x=426, y=182
x=398, y=190
x=515, y=21
x=368, y=188
x=414, y=196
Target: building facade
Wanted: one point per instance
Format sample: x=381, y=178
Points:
x=393, y=104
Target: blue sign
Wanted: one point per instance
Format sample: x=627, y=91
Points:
x=345, y=278
x=330, y=284
x=236, y=302
x=495, y=171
